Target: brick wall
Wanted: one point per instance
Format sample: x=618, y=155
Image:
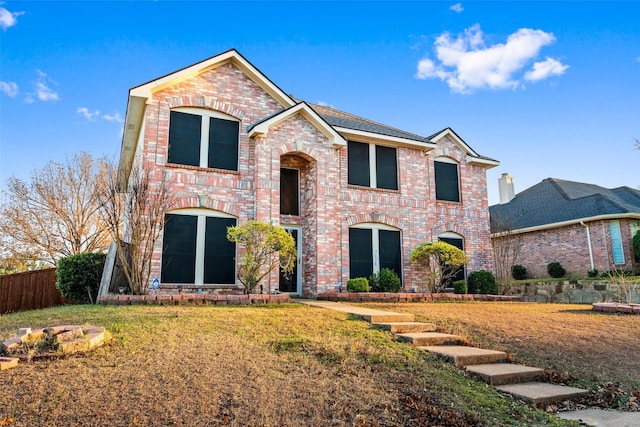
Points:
x=329, y=206
x=569, y=246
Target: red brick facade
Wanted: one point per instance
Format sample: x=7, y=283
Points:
x=328, y=204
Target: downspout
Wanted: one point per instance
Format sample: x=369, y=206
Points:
x=593, y=267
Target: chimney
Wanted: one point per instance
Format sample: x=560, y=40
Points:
x=505, y=185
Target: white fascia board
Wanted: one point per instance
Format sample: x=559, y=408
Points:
x=334, y=137
x=448, y=132
x=561, y=224
x=132, y=126
x=478, y=161
x=376, y=138
x=146, y=90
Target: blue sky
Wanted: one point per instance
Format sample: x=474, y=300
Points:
x=550, y=89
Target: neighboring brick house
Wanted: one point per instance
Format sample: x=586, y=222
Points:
x=357, y=195
x=581, y=226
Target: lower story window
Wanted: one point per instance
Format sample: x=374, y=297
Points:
x=458, y=242
x=616, y=242
x=195, y=249
x=373, y=247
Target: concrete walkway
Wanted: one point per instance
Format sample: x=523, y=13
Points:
x=487, y=365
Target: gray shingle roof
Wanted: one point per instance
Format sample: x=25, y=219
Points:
x=556, y=200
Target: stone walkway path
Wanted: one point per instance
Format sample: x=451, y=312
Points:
x=488, y=365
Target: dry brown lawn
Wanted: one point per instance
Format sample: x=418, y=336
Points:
x=568, y=338
x=288, y=365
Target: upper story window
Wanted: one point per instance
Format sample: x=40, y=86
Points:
x=371, y=165
x=447, y=181
x=203, y=138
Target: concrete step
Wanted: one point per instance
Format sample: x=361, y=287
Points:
x=405, y=327
x=504, y=373
x=462, y=355
x=368, y=314
x=429, y=338
x=384, y=317
x=542, y=393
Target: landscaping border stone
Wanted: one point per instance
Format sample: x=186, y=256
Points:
x=412, y=297
x=194, y=299
x=616, y=307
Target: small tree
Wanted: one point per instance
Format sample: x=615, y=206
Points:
x=440, y=262
x=261, y=243
x=134, y=213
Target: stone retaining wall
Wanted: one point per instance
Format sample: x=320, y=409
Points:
x=194, y=299
x=577, y=291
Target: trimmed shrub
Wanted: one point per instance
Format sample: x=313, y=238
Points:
x=460, y=287
x=635, y=243
x=483, y=282
x=556, y=270
x=78, y=276
x=359, y=284
x=385, y=281
x=518, y=272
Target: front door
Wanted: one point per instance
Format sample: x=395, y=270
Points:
x=291, y=283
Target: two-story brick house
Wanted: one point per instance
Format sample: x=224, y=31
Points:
x=357, y=195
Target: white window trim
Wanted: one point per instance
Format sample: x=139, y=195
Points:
x=373, y=171
x=202, y=215
x=204, y=129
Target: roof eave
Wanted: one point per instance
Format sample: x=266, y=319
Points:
x=132, y=127
x=364, y=136
x=485, y=163
x=628, y=215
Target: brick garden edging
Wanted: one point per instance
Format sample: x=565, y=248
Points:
x=412, y=297
x=194, y=299
x=616, y=307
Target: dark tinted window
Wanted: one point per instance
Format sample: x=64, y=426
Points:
x=447, y=181
x=184, y=138
x=386, y=168
x=223, y=144
x=458, y=243
x=179, y=249
x=390, y=251
x=219, y=252
x=289, y=185
x=360, y=253
x=358, y=154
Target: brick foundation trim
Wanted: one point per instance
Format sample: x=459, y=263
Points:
x=194, y=299
x=412, y=297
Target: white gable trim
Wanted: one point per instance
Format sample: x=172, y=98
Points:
x=456, y=139
x=262, y=129
x=231, y=56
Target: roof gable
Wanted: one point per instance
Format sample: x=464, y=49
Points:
x=472, y=156
x=262, y=127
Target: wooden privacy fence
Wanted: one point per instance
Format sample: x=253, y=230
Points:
x=30, y=290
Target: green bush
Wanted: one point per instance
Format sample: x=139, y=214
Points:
x=78, y=276
x=518, y=272
x=460, y=287
x=556, y=270
x=385, y=281
x=636, y=245
x=483, y=282
x=359, y=284
x=593, y=273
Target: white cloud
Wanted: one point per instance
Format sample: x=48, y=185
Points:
x=9, y=88
x=324, y=104
x=457, y=8
x=42, y=90
x=113, y=117
x=93, y=115
x=8, y=19
x=89, y=115
x=466, y=63
x=544, y=69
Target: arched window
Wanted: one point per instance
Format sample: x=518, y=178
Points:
x=456, y=240
x=195, y=249
x=373, y=247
